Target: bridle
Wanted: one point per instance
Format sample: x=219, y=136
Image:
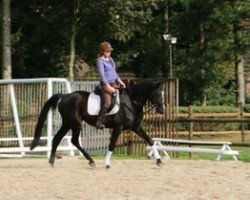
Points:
x=152, y=105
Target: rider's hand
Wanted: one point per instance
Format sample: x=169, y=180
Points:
x=122, y=84
x=110, y=89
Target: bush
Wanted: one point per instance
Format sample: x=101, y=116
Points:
x=247, y=108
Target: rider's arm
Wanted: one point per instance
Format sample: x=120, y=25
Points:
x=100, y=69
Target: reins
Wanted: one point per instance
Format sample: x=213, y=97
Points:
x=151, y=107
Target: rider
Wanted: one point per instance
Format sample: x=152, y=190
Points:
x=109, y=79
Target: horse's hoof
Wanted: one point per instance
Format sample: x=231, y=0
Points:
x=51, y=164
x=108, y=167
x=59, y=157
x=92, y=164
x=159, y=163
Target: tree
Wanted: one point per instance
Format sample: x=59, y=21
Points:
x=232, y=15
x=240, y=12
x=64, y=33
x=6, y=42
x=208, y=26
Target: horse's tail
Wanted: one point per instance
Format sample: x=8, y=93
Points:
x=50, y=103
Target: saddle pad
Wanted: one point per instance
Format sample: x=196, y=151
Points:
x=94, y=104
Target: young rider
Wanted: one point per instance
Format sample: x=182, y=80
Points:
x=109, y=79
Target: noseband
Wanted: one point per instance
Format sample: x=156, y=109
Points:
x=153, y=103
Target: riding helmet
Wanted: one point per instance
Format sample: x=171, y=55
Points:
x=105, y=46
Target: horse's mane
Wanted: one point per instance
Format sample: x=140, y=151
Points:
x=142, y=89
x=143, y=85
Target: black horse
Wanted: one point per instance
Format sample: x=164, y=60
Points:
x=73, y=110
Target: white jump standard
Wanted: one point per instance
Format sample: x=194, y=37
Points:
x=224, y=150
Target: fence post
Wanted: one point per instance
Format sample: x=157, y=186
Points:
x=242, y=125
x=16, y=118
x=129, y=147
x=49, y=117
x=190, y=115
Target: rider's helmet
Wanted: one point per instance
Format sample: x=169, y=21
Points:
x=105, y=46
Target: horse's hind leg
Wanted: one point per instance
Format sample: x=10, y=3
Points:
x=56, y=140
x=75, y=141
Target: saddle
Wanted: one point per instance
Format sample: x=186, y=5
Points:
x=95, y=101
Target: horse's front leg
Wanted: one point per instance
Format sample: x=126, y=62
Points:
x=114, y=136
x=139, y=131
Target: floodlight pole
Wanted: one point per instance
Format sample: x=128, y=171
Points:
x=170, y=60
x=171, y=40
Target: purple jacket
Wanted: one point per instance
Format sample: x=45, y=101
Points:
x=107, y=71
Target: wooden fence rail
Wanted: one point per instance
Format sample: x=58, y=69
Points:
x=192, y=118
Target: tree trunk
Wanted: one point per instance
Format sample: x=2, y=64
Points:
x=74, y=10
x=239, y=65
x=165, y=53
x=6, y=45
x=72, y=52
x=203, y=71
x=6, y=65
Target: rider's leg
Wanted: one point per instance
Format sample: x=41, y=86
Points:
x=104, y=108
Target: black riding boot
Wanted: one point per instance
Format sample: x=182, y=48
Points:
x=100, y=118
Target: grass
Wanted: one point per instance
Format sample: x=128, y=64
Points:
x=244, y=155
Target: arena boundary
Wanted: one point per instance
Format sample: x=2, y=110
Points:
x=18, y=124
x=21, y=101
x=224, y=150
x=10, y=94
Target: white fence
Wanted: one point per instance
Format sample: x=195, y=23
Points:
x=224, y=147
x=21, y=101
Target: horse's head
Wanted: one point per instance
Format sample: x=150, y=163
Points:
x=157, y=98
x=148, y=90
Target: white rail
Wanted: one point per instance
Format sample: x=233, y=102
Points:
x=49, y=81
x=20, y=97
x=224, y=150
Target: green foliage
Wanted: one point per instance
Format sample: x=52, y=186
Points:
x=247, y=108
x=210, y=33
x=121, y=12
